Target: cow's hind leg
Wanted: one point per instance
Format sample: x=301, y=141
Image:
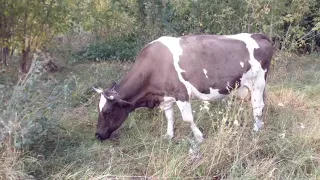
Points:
x=257, y=100
x=186, y=112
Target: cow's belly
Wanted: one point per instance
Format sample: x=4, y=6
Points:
x=196, y=94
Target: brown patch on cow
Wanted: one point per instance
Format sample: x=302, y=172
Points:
x=156, y=78
x=265, y=52
x=216, y=54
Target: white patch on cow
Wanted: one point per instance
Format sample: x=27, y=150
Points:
x=167, y=102
x=186, y=112
x=102, y=102
x=214, y=94
x=241, y=64
x=167, y=106
x=170, y=120
x=173, y=44
x=253, y=79
x=205, y=72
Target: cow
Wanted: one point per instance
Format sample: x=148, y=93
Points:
x=175, y=70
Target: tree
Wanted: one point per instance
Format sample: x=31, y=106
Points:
x=27, y=25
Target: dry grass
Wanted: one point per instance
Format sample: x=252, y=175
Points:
x=287, y=148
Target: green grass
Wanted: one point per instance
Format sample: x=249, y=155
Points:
x=287, y=148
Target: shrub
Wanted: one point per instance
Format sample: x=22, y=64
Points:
x=28, y=118
x=116, y=48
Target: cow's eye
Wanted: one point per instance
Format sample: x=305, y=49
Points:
x=105, y=114
x=108, y=111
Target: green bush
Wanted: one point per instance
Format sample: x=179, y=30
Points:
x=116, y=48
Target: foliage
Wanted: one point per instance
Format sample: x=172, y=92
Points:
x=28, y=25
x=102, y=18
x=214, y=18
x=117, y=48
x=28, y=114
x=291, y=24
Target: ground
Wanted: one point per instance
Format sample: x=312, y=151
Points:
x=287, y=148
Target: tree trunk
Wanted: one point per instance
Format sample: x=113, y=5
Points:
x=5, y=53
x=3, y=56
x=26, y=60
x=12, y=51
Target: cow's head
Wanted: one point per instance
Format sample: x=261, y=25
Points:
x=112, y=112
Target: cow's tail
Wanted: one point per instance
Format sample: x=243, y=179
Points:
x=263, y=36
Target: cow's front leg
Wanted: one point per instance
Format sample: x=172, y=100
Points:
x=170, y=119
x=167, y=106
x=186, y=112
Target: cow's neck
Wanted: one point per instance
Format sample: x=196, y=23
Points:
x=132, y=88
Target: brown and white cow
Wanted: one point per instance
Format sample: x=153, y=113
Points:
x=177, y=69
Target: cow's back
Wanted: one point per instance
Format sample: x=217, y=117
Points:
x=213, y=61
x=174, y=67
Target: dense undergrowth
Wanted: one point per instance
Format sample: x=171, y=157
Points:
x=55, y=117
x=117, y=48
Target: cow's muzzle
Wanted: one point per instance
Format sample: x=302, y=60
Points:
x=100, y=137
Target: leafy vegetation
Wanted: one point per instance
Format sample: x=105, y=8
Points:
x=124, y=48
x=293, y=25
x=27, y=27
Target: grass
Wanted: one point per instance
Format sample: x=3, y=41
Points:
x=287, y=148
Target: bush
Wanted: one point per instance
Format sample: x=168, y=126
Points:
x=28, y=118
x=116, y=48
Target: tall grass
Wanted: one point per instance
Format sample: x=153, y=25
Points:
x=287, y=148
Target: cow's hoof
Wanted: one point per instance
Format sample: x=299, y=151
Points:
x=199, y=139
x=168, y=136
x=257, y=125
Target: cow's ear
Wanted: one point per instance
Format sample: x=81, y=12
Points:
x=123, y=103
x=98, y=90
